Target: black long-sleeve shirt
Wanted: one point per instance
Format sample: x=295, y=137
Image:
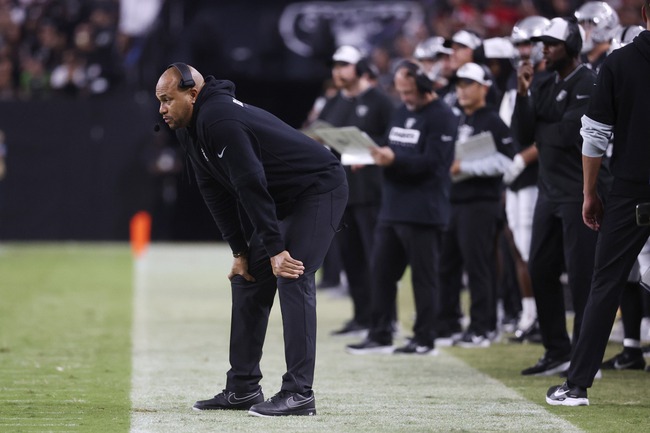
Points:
x=248, y=161
x=620, y=99
x=479, y=188
x=550, y=117
x=417, y=185
x=370, y=112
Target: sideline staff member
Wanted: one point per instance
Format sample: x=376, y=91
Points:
x=255, y=171
x=415, y=209
x=549, y=115
x=617, y=107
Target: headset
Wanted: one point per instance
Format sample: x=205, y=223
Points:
x=575, y=37
x=422, y=81
x=186, y=82
x=364, y=66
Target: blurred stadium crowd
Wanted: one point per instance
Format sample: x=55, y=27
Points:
x=53, y=48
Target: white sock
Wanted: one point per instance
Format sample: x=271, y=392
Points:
x=528, y=312
x=631, y=343
x=528, y=307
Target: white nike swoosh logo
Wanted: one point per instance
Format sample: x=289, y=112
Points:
x=292, y=403
x=559, y=393
x=241, y=400
x=220, y=154
x=619, y=366
x=582, y=96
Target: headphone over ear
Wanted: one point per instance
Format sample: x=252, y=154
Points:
x=187, y=82
x=573, y=42
x=422, y=81
x=364, y=66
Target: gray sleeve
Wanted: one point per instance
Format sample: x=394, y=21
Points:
x=493, y=165
x=595, y=137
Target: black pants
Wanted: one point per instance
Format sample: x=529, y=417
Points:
x=396, y=247
x=356, y=246
x=307, y=232
x=619, y=242
x=560, y=241
x=469, y=245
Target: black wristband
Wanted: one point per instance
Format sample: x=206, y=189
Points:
x=240, y=254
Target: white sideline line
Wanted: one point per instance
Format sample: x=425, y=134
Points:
x=179, y=356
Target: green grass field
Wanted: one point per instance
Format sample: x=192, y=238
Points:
x=92, y=342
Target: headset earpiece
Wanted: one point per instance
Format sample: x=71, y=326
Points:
x=186, y=82
x=363, y=66
x=422, y=81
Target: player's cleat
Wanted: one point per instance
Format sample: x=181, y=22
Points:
x=369, y=346
x=230, y=400
x=626, y=360
x=413, y=348
x=286, y=403
x=564, y=395
x=547, y=366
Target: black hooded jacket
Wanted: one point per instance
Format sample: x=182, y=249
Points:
x=248, y=161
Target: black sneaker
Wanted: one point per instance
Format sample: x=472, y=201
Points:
x=531, y=334
x=547, y=366
x=351, y=328
x=413, y=348
x=563, y=395
x=230, y=400
x=565, y=374
x=369, y=346
x=285, y=403
x=471, y=339
x=626, y=360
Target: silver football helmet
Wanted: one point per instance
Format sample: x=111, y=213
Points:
x=600, y=22
x=624, y=35
x=525, y=29
x=430, y=48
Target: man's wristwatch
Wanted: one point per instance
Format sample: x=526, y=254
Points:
x=240, y=254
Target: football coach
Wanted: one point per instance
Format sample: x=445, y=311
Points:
x=277, y=198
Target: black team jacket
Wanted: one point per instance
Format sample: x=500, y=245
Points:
x=252, y=166
x=416, y=187
x=550, y=117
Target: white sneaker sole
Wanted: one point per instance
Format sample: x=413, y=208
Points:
x=556, y=370
x=383, y=350
x=261, y=415
x=568, y=402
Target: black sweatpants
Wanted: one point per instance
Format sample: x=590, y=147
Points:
x=469, y=245
x=619, y=242
x=356, y=246
x=560, y=241
x=397, y=246
x=307, y=232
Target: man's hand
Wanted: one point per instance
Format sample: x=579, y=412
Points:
x=524, y=77
x=592, y=211
x=240, y=267
x=383, y=156
x=284, y=265
x=455, y=167
x=515, y=168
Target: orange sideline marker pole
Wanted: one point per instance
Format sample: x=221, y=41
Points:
x=140, y=228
